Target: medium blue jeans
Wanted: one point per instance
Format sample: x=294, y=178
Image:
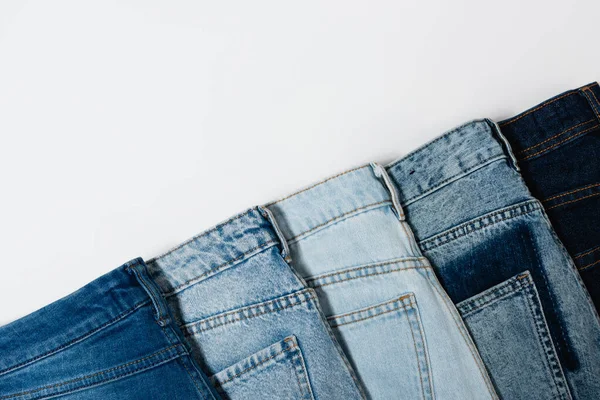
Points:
x=254, y=326
x=497, y=256
x=349, y=241
x=113, y=339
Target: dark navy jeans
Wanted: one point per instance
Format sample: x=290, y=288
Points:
x=557, y=144
x=497, y=256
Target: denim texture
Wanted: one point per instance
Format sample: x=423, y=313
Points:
x=112, y=339
x=254, y=326
x=349, y=242
x=497, y=256
x=557, y=144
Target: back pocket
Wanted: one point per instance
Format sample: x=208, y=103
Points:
x=277, y=372
x=386, y=345
x=509, y=328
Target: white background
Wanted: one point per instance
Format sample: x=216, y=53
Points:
x=128, y=126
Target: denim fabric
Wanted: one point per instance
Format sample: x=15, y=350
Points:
x=500, y=261
x=557, y=144
x=112, y=339
x=253, y=325
x=348, y=240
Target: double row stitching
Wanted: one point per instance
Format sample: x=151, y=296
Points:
x=493, y=296
x=191, y=329
x=256, y=365
x=571, y=192
x=78, y=339
x=373, y=274
x=555, y=136
x=381, y=264
x=573, y=201
x=587, y=252
x=399, y=299
x=338, y=218
x=521, y=209
x=559, y=143
x=399, y=307
x=90, y=376
x=593, y=104
x=217, y=268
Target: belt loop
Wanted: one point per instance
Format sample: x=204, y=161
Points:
x=591, y=93
x=285, y=250
x=138, y=268
x=382, y=174
x=505, y=143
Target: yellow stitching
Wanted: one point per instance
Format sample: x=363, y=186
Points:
x=416, y=352
x=403, y=307
x=589, y=265
x=589, y=252
x=571, y=192
x=373, y=274
x=345, y=271
x=337, y=218
x=401, y=298
x=550, y=138
x=572, y=201
x=594, y=105
x=537, y=108
x=559, y=143
x=315, y=185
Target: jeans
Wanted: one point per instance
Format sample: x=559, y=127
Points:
x=112, y=339
x=349, y=241
x=254, y=326
x=557, y=144
x=497, y=256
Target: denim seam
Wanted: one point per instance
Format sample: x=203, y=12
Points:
x=573, y=201
x=587, y=252
x=379, y=264
x=220, y=267
x=551, y=296
x=220, y=384
x=83, y=378
x=454, y=178
x=301, y=370
x=78, y=339
x=466, y=337
x=588, y=266
x=412, y=333
x=559, y=143
x=339, y=218
x=493, y=296
x=543, y=105
x=316, y=184
x=191, y=329
x=571, y=192
x=385, y=303
x=427, y=360
x=214, y=228
x=369, y=275
x=187, y=370
x=398, y=308
x=591, y=102
x=541, y=337
x=555, y=136
x=515, y=211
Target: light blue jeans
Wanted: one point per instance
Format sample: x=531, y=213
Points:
x=254, y=327
x=349, y=241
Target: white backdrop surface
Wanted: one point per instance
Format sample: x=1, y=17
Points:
x=128, y=126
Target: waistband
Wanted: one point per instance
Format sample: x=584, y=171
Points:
x=448, y=158
x=73, y=318
x=351, y=192
x=215, y=250
x=554, y=122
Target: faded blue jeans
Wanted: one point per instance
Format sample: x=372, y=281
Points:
x=349, y=241
x=254, y=326
x=497, y=256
